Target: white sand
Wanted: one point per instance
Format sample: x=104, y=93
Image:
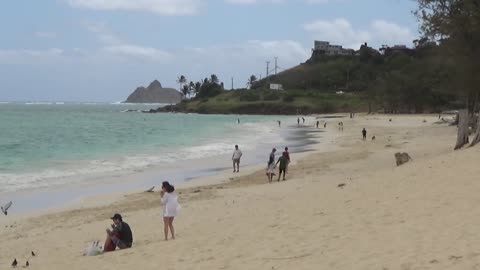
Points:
x=423, y=215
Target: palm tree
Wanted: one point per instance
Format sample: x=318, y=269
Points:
x=198, y=85
x=252, y=80
x=191, y=88
x=185, y=90
x=214, y=79
x=181, y=81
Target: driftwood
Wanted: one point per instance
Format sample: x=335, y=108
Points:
x=476, y=136
x=402, y=158
x=463, y=130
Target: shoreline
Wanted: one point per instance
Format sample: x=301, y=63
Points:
x=308, y=221
x=115, y=185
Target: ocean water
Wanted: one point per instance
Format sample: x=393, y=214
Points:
x=44, y=145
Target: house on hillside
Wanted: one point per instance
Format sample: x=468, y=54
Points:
x=276, y=87
x=325, y=48
x=387, y=51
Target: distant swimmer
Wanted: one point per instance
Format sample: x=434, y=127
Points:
x=279, y=123
x=238, y=121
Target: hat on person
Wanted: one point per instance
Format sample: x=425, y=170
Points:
x=117, y=216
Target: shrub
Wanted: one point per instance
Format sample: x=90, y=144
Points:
x=250, y=96
x=288, y=98
x=271, y=96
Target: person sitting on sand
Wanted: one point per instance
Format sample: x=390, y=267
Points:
x=120, y=236
x=283, y=160
x=170, y=208
x=271, y=166
x=237, y=154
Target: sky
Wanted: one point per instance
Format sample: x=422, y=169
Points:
x=101, y=50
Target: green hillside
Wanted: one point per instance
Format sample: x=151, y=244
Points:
x=413, y=80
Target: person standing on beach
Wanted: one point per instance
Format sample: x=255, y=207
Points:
x=237, y=154
x=170, y=208
x=238, y=121
x=364, y=133
x=283, y=160
x=298, y=121
x=318, y=123
x=325, y=125
x=287, y=155
x=303, y=119
x=279, y=123
x=271, y=166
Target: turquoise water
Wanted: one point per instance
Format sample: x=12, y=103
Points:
x=44, y=144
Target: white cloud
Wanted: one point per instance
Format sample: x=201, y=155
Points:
x=103, y=32
x=41, y=34
x=161, y=7
x=341, y=31
x=248, y=2
x=32, y=53
x=136, y=51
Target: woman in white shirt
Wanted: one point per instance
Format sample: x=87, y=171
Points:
x=170, y=208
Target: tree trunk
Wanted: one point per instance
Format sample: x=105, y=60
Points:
x=462, y=137
x=476, y=136
x=475, y=103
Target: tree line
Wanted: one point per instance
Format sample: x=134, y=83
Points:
x=455, y=25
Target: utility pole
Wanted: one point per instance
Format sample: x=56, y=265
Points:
x=232, y=83
x=268, y=65
x=276, y=65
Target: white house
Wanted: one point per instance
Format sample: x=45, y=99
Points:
x=325, y=48
x=276, y=86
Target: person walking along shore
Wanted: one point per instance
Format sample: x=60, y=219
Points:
x=237, y=155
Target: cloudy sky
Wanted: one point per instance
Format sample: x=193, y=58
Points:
x=101, y=50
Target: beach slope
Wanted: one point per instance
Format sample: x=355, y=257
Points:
x=346, y=208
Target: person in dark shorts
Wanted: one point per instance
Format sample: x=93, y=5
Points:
x=364, y=133
x=287, y=155
x=237, y=154
x=283, y=160
x=120, y=236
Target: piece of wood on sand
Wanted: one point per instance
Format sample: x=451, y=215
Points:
x=476, y=136
x=462, y=136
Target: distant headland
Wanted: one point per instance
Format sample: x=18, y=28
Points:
x=155, y=93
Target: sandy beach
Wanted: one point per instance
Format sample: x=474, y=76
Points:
x=422, y=215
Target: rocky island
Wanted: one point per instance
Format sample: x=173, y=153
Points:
x=155, y=93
